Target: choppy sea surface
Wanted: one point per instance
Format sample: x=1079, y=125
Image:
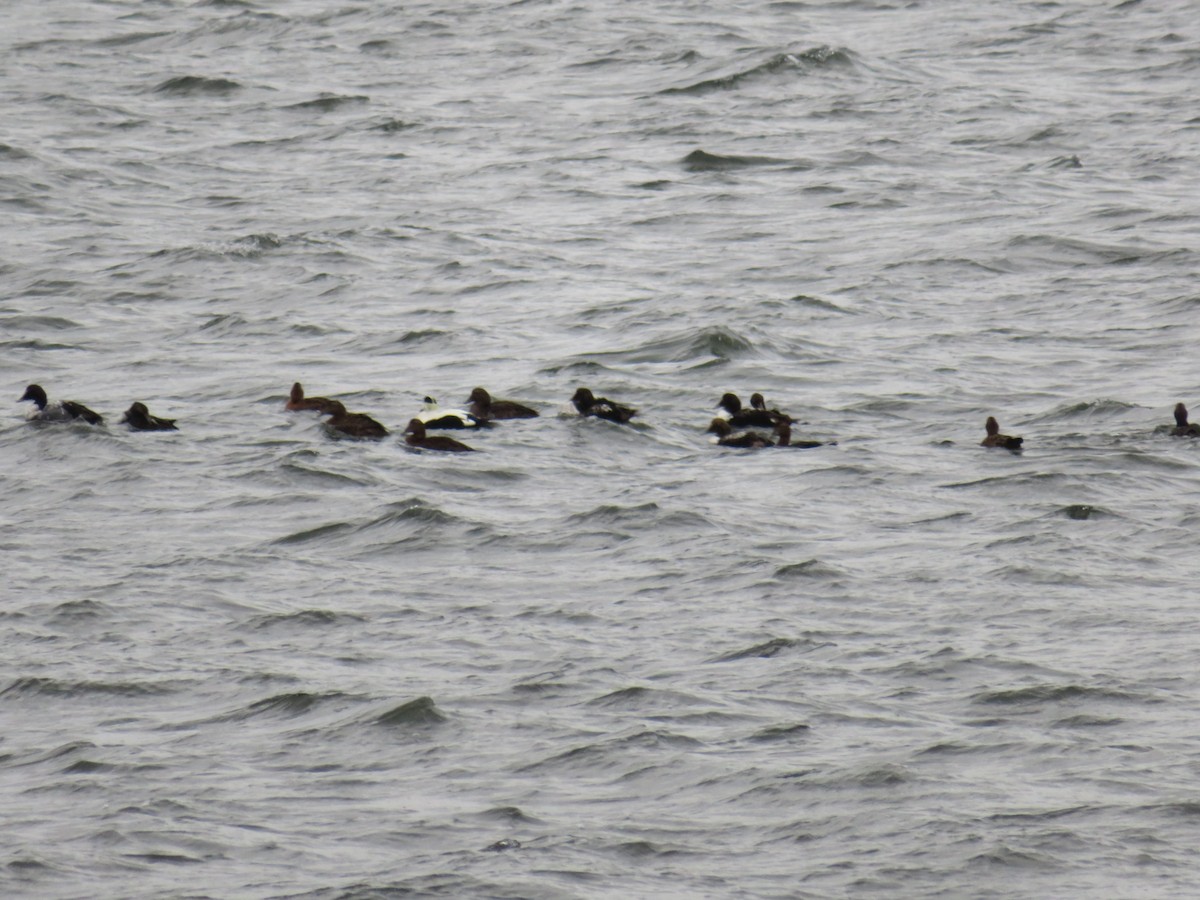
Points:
x=600, y=661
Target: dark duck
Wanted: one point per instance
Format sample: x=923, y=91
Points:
x=1184, y=428
x=757, y=416
x=481, y=405
x=59, y=410
x=138, y=418
x=783, y=431
x=757, y=402
x=601, y=407
x=297, y=400
x=996, y=439
x=415, y=436
x=358, y=425
x=726, y=438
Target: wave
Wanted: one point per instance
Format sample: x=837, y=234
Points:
x=645, y=516
x=287, y=705
x=579, y=368
x=251, y=246
x=124, y=40
x=319, y=477
x=716, y=342
x=411, y=339
x=819, y=303
x=1059, y=251
x=391, y=126
x=292, y=704
x=613, y=753
x=703, y=161
x=422, y=711
x=1085, y=409
x=80, y=610
x=53, y=687
x=304, y=618
x=328, y=102
x=10, y=153
x=638, y=697
x=416, y=521
x=1040, y=480
x=809, y=568
x=509, y=814
x=775, y=733
x=38, y=345
x=48, y=755
x=780, y=65
x=196, y=85
x=765, y=650
x=39, y=323
x=1084, y=720
x=1054, y=693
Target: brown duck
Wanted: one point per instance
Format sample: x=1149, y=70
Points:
x=996, y=439
x=749, y=440
x=1184, y=428
x=481, y=405
x=352, y=424
x=297, y=400
x=416, y=437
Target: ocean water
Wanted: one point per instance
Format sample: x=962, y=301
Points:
x=248, y=659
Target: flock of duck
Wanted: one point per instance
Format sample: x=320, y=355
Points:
x=482, y=411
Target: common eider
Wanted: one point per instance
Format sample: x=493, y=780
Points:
x=996, y=439
x=481, y=405
x=138, y=418
x=601, y=407
x=352, y=424
x=416, y=437
x=59, y=410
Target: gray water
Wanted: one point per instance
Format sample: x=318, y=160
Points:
x=249, y=660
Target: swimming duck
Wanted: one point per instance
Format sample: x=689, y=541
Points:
x=416, y=437
x=482, y=406
x=758, y=416
x=138, y=418
x=433, y=416
x=352, y=424
x=298, y=401
x=996, y=439
x=600, y=407
x=783, y=430
x=1183, y=428
x=59, y=410
x=726, y=438
x=757, y=402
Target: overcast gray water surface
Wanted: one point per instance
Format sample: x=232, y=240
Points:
x=593, y=661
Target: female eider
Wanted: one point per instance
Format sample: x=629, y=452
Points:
x=59, y=410
x=481, y=405
x=783, y=430
x=352, y=424
x=758, y=402
x=726, y=438
x=297, y=400
x=416, y=437
x=1184, y=428
x=433, y=416
x=602, y=408
x=138, y=418
x=996, y=439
